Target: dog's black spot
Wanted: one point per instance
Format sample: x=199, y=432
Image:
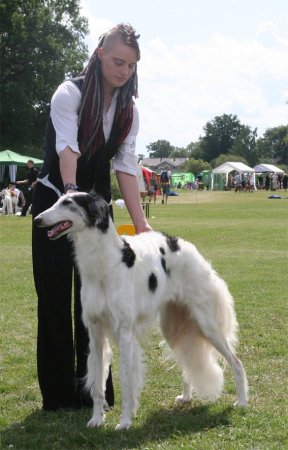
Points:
x=172, y=243
x=152, y=282
x=163, y=264
x=162, y=250
x=128, y=255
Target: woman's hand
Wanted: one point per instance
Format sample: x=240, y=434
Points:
x=143, y=228
x=129, y=188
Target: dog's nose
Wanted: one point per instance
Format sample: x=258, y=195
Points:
x=37, y=221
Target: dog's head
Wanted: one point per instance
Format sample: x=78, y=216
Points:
x=74, y=212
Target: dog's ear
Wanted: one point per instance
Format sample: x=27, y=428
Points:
x=98, y=212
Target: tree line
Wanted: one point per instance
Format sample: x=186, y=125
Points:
x=43, y=43
x=224, y=139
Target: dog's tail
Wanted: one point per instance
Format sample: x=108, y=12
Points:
x=196, y=357
x=200, y=369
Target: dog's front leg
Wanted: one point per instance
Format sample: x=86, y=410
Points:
x=95, y=375
x=125, y=351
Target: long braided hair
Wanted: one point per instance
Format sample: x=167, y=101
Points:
x=92, y=100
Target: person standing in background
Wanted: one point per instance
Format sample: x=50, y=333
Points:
x=30, y=181
x=165, y=179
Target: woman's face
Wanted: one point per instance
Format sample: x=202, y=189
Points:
x=118, y=65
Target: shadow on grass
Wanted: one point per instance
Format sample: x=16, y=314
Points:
x=68, y=430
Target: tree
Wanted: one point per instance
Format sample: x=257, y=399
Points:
x=160, y=149
x=226, y=134
x=178, y=152
x=42, y=42
x=196, y=165
x=194, y=150
x=274, y=145
x=245, y=145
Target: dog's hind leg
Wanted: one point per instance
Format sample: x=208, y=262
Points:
x=95, y=376
x=192, y=339
x=236, y=365
x=186, y=396
x=192, y=352
x=214, y=335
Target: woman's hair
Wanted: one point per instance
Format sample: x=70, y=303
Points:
x=92, y=100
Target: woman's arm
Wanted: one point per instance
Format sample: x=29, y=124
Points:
x=64, y=106
x=129, y=188
x=68, y=165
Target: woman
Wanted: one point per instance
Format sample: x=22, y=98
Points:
x=93, y=119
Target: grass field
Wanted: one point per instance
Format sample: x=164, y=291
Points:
x=245, y=236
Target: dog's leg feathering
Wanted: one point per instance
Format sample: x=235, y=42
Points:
x=138, y=373
x=125, y=350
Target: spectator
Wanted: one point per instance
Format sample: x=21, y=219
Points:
x=30, y=181
x=165, y=179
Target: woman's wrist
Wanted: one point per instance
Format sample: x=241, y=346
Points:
x=142, y=226
x=70, y=187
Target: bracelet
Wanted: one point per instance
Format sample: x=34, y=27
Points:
x=70, y=186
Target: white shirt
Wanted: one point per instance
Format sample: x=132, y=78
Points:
x=65, y=105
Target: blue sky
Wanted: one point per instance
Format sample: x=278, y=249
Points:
x=201, y=59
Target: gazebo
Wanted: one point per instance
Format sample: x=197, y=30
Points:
x=219, y=176
x=270, y=168
x=13, y=160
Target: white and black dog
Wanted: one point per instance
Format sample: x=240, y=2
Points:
x=127, y=282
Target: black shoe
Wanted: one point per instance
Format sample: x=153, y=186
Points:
x=83, y=400
x=68, y=407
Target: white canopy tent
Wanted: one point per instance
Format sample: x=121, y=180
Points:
x=262, y=168
x=227, y=167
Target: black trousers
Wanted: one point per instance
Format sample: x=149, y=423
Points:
x=62, y=342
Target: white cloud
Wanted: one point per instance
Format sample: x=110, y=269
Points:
x=183, y=87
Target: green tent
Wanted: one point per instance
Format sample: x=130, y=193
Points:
x=183, y=178
x=13, y=160
x=9, y=158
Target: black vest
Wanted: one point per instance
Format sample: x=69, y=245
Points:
x=93, y=171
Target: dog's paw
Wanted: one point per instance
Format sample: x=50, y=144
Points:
x=96, y=421
x=125, y=425
x=181, y=399
x=241, y=404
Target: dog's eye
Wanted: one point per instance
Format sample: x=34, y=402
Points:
x=66, y=202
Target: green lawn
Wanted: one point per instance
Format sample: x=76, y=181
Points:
x=245, y=236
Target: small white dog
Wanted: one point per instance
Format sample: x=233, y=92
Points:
x=126, y=283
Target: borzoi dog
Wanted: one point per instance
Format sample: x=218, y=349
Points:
x=127, y=281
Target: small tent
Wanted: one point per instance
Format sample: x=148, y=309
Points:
x=147, y=174
x=183, y=178
x=13, y=160
x=7, y=157
x=264, y=168
x=219, y=176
